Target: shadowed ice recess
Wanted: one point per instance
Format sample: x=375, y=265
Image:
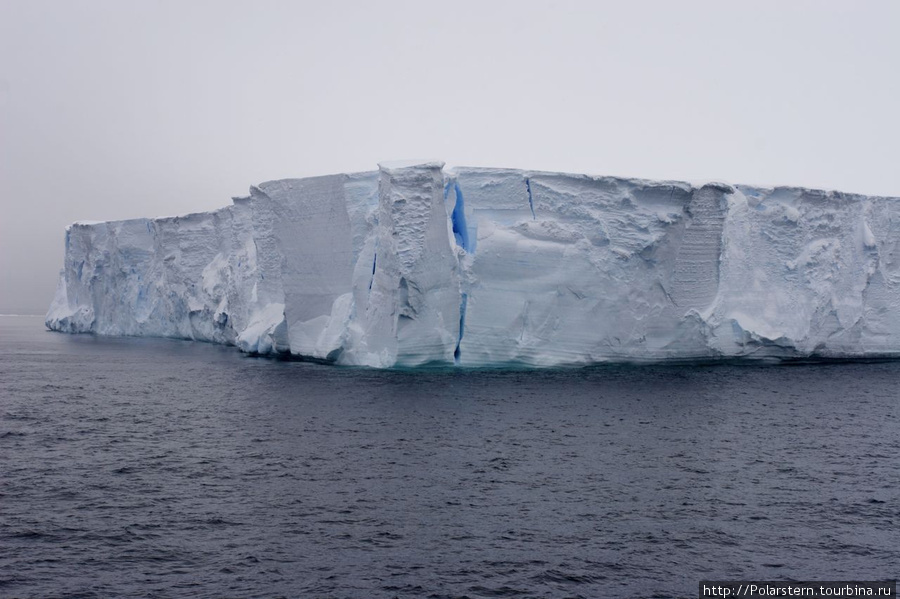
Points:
x=415, y=264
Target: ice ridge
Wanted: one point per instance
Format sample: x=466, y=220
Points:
x=415, y=264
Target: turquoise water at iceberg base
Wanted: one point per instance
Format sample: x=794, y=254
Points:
x=146, y=467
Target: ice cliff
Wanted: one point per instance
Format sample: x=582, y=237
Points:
x=415, y=265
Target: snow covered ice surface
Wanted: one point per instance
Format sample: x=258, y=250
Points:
x=414, y=264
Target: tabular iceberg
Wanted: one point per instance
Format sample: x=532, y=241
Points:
x=412, y=265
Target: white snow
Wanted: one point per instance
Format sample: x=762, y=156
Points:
x=414, y=264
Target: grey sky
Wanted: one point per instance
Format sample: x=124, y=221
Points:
x=118, y=109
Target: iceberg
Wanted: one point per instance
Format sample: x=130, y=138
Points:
x=415, y=264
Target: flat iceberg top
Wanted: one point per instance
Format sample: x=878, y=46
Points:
x=482, y=171
x=393, y=165
x=415, y=264
x=502, y=172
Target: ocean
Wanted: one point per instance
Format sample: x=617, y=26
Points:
x=164, y=468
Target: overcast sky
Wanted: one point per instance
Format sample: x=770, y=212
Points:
x=119, y=109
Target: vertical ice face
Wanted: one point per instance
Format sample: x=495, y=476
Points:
x=412, y=312
x=410, y=265
x=317, y=230
x=72, y=310
x=695, y=280
x=312, y=229
x=567, y=269
x=804, y=273
x=878, y=327
x=147, y=277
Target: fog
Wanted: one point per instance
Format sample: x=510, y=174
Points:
x=113, y=110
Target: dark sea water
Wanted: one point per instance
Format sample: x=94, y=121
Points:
x=159, y=468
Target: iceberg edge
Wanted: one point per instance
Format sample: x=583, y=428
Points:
x=416, y=265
